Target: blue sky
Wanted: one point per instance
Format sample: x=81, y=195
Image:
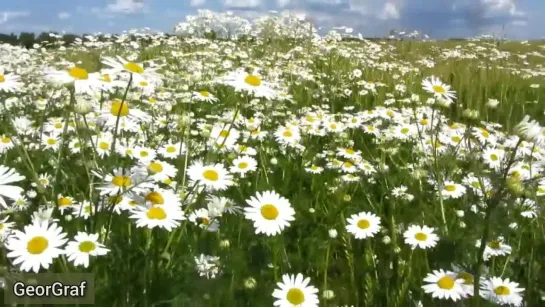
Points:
x=520, y=19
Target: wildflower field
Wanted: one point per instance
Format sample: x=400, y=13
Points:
x=277, y=167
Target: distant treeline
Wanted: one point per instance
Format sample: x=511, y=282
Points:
x=28, y=39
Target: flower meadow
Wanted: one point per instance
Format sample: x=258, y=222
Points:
x=270, y=165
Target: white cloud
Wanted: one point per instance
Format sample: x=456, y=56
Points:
x=389, y=11
x=63, y=15
x=282, y=3
x=196, y=3
x=241, y=4
x=126, y=6
x=7, y=16
x=494, y=7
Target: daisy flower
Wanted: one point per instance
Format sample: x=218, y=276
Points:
x=166, y=217
x=250, y=83
x=119, y=64
x=120, y=112
x=120, y=181
x=287, y=135
x=204, y=96
x=171, y=150
x=9, y=82
x=83, y=247
x=9, y=175
x=85, y=209
x=160, y=170
x=440, y=90
x=270, y=212
x=51, y=141
x=444, y=285
x=208, y=266
x=6, y=143
x=453, y=190
x=72, y=75
x=363, y=225
x=36, y=246
x=5, y=228
x=502, y=291
x=159, y=196
x=65, y=203
x=493, y=157
x=243, y=165
x=294, y=290
x=201, y=217
x=218, y=205
x=468, y=279
x=495, y=248
x=420, y=236
x=214, y=177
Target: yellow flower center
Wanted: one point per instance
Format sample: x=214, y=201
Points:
x=446, y=283
x=333, y=126
x=450, y=187
x=2, y=78
x=119, y=108
x=456, y=139
x=171, y=149
x=155, y=198
x=252, y=80
x=349, y=151
x=211, y=175
x=363, y=224
x=224, y=133
x=495, y=244
x=242, y=165
x=115, y=199
x=269, y=212
x=106, y=78
x=205, y=221
x=287, y=134
x=405, y=130
x=155, y=167
x=37, y=245
x=121, y=181
x=104, y=145
x=468, y=278
x=78, y=73
x=134, y=68
x=143, y=83
x=58, y=125
x=516, y=174
x=502, y=290
x=63, y=201
x=439, y=89
x=205, y=94
x=51, y=142
x=5, y=140
x=420, y=236
x=87, y=247
x=295, y=296
x=424, y=122
x=156, y=213
x=494, y=157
